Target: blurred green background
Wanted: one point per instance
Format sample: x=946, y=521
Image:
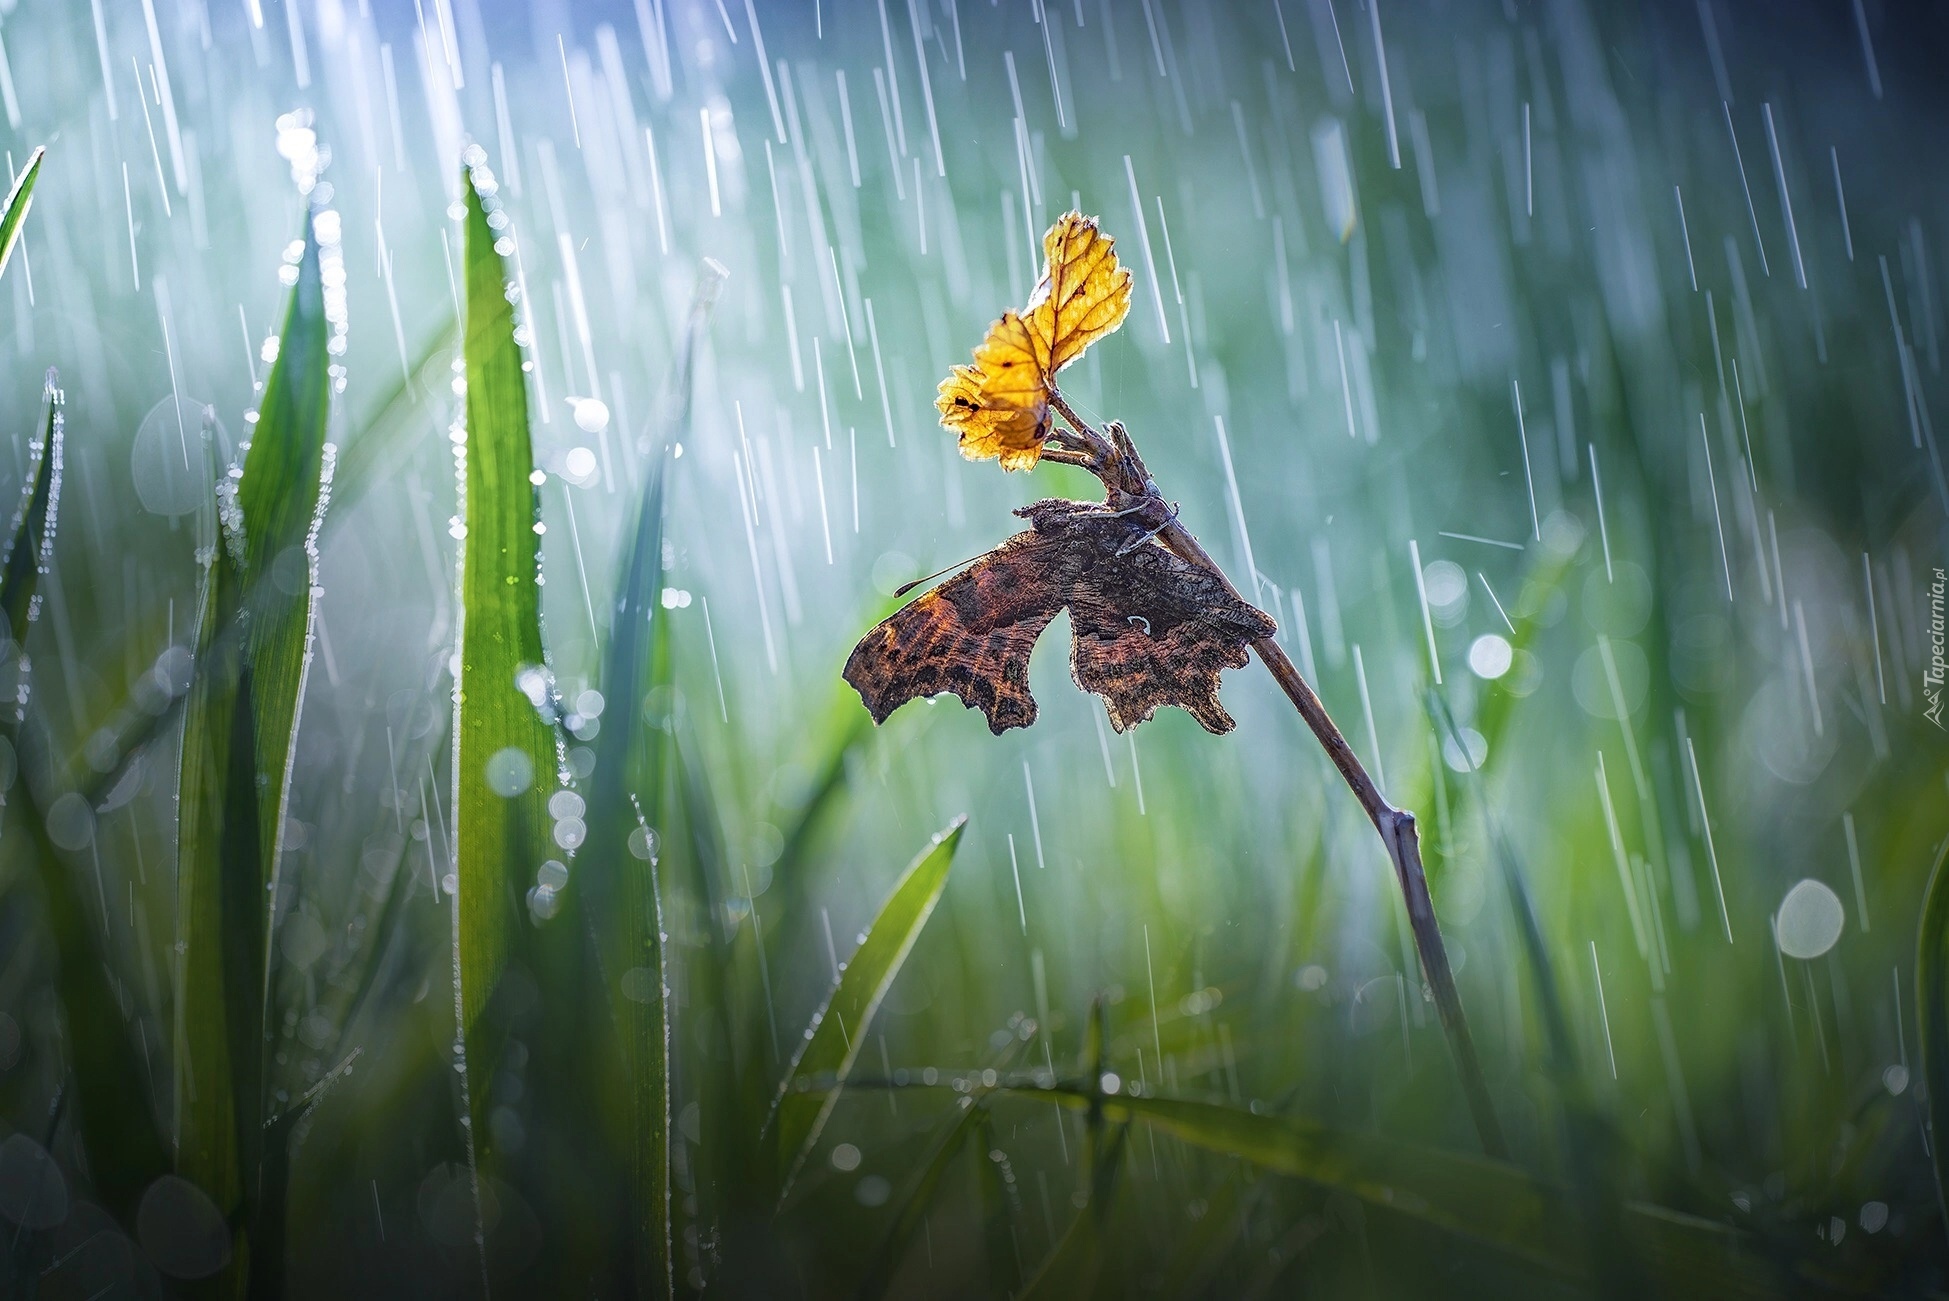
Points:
x=1622, y=322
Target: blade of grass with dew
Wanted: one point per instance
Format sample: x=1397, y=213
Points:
x=1000, y=1201
x=1932, y=1015
x=239, y=730
x=1485, y=1201
x=839, y=1027
x=124, y=1146
x=19, y=199
x=520, y=950
x=373, y=455
x=619, y=862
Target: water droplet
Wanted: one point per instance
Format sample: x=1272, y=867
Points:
x=1490, y=656
x=509, y=772
x=845, y=1157
x=1810, y=920
x=71, y=822
x=181, y=1230
x=591, y=415
x=642, y=844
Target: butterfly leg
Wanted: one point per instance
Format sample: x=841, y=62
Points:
x=1136, y=542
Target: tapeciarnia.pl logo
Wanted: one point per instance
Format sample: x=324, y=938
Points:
x=1932, y=673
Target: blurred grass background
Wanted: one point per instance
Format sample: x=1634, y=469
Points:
x=1623, y=321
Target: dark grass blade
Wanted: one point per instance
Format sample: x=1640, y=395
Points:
x=124, y=1147
x=1076, y=1263
x=918, y=1198
x=617, y=871
x=811, y=1086
x=240, y=720
x=1932, y=1014
x=30, y=537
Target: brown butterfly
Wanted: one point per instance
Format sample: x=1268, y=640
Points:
x=1149, y=628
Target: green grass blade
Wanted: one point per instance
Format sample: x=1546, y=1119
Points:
x=1487, y=1202
x=617, y=868
x=839, y=1028
x=125, y=1149
x=500, y=838
x=1074, y=1266
x=527, y=945
x=1932, y=1013
x=239, y=729
x=19, y=199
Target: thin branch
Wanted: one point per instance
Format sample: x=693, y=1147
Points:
x=1114, y=460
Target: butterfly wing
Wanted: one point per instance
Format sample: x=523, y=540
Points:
x=971, y=636
x=1151, y=629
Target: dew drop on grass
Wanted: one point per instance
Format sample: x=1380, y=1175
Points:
x=552, y=874
x=1810, y=920
x=70, y=822
x=642, y=844
x=509, y=772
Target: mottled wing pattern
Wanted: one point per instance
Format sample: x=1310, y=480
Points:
x=972, y=635
x=1150, y=629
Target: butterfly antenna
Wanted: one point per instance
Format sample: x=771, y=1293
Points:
x=905, y=588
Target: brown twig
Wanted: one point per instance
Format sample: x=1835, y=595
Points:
x=1113, y=459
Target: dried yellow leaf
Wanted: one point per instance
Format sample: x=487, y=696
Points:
x=1083, y=293
x=1000, y=405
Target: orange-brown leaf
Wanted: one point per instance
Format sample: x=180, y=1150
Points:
x=999, y=406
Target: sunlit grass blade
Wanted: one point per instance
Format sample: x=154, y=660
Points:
x=1932, y=1014
x=541, y=1051
x=19, y=199
x=838, y=1030
x=239, y=729
x=1486, y=1202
